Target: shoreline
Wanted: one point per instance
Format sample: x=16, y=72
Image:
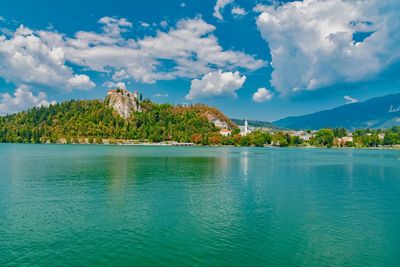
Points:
x=177, y=144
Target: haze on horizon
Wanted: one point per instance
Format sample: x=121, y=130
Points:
x=259, y=59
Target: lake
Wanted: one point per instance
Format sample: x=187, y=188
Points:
x=98, y=205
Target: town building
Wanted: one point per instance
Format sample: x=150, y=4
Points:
x=225, y=132
x=342, y=141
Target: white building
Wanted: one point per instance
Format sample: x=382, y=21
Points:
x=225, y=132
x=245, y=130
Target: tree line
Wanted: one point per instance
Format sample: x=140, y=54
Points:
x=92, y=121
x=95, y=120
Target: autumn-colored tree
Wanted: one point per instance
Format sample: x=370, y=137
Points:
x=215, y=139
x=196, y=138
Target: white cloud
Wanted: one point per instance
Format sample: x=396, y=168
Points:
x=216, y=83
x=259, y=8
x=115, y=26
x=238, y=12
x=350, y=100
x=182, y=4
x=6, y=31
x=120, y=85
x=144, y=24
x=188, y=50
x=160, y=95
x=81, y=81
x=26, y=59
x=22, y=100
x=262, y=95
x=164, y=24
x=312, y=46
x=219, y=7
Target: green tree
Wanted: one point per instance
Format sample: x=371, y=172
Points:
x=325, y=137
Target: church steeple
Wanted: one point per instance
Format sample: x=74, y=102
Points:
x=246, y=126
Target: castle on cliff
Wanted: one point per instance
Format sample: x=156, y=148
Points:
x=124, y=102
x=124, y=92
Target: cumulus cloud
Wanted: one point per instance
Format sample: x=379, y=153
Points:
x=22, y=100
x=81, y=81
x=115, y=26
x=219, y=7
x=26, y=59
x=6, y=31
x=164, y=24
x=350, y=100
x=261, y=8
x=120, y=85
x=188, y=50
x=216, y=83
x=312, y=43
x=144, y=24
x=262, y=95
x=238, y=12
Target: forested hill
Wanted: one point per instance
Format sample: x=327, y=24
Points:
x=88, y=120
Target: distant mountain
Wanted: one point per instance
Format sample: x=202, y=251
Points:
x=255, y=123
x=380, y=112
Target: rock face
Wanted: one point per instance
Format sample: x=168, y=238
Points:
x=124, y=102
x=219, y=123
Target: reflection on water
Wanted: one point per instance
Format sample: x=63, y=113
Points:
x=122, y=205
x=120, y=171
x=244, y=160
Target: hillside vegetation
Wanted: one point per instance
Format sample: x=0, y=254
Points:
x=96, y=120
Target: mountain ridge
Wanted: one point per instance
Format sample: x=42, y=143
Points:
x=379, y=112
x=255, y=123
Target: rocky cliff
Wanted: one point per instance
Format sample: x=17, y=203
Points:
x=124, y=102
x=217, y=118
x=219, y=123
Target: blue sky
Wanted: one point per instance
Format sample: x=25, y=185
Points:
x=261, y=59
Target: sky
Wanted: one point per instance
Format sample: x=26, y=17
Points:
x=258, y=59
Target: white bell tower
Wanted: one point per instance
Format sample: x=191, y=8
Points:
x=246, y=126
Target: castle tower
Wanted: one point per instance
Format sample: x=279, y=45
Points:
x=246, y=126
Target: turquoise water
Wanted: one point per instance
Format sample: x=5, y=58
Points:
x=88, y=205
